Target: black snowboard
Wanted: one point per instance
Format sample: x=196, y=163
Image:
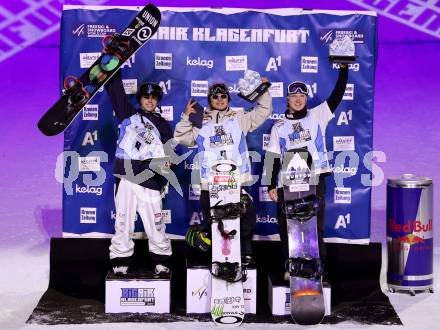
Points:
x=117, y=49
x=301, y=205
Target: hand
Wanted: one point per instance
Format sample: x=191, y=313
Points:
x=264, y=80
x=273, y=194
x=190, y=107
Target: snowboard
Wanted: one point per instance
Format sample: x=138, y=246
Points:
x=301, y=206
x=118, y=48
x=227, y=299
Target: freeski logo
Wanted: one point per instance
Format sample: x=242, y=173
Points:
x=79, y=31
x=328, y=35
x=137, y=297
x=167, y=112
x=130, y=86
x=93, y=30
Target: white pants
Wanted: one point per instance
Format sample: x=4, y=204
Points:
x=130, y=198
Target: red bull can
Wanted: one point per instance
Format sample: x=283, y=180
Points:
x=409, y=233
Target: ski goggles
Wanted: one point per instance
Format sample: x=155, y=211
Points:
x=297, y=87
x=219, y=96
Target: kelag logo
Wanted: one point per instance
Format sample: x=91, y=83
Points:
x=199, y=62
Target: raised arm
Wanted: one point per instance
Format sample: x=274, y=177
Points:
x=185, y=132
x=253, y=119
x=338, y=92
x=119, y=100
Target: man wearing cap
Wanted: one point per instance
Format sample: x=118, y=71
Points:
x=307, y=128
x=233, y=126
x=143, y=134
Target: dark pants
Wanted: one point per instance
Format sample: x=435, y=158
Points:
x=247, y=223
x=320, y=192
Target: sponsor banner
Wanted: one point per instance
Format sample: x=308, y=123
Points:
x=309, y=64
x=349, y=92
x=199, y=88
x=166, y=216
x=342, y=195
x=87, y=215
x=236, y=63
x=277, y=89
x=163, y=61
x=130, y=86
x=90, y=112
x=87, y=59
x=185, y=56
x=343, y=143
x=86, y=164
x=167, y=112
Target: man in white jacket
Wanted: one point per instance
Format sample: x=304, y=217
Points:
x=228, y=129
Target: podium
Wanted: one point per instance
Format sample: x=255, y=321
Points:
x=279, y=296
x=137, y=292
x=198, y=286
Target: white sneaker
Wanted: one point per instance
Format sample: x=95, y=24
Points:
x=287, y=276
x=161, y=270
x=120, y=270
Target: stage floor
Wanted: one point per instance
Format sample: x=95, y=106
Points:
x=406, y=123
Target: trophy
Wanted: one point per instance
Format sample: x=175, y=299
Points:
x=342, y=50
x=251, y=87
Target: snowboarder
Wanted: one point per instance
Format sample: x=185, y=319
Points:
x=225, y=132
x=142, y=136
x=307, y=128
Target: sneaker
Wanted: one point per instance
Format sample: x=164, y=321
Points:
x=286, y=276
x=121, y=266
x=161, y=270
x=247, y=260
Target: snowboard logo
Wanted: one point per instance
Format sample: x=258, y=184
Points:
x=128, y=32
x=226, y=245
x=144, y=33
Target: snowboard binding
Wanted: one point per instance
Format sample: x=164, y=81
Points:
x=229, y=211
x=228, y=271
x=117, y=45
x=77, y=93
x=198, y=238
x=302, y=209
x=305, y=267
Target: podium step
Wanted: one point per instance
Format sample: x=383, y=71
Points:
x=279, y=295
x=140, y=291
